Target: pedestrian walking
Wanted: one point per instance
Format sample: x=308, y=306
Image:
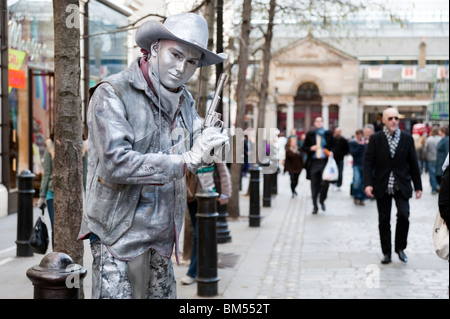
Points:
x=443, y=200
x=341, y=149
x=419, y=134
x=318, y=145
x=444, y=205
x=441, y=152
x=357, y=150
x=144, y=132
x=215, y=178
x=282, y=142
x=293, y=163
x=390, y=164
x=302, y=142
x=294, y=134
x=46, y=194
x=245, y=165
x=368, y=130
x=430, y=152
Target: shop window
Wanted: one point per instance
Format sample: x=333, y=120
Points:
x=107, y=47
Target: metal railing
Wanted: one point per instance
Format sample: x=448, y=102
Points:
x=394, y=88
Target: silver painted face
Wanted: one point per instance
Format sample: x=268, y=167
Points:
x=177, y=62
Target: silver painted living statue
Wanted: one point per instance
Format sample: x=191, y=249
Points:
x=144, y=132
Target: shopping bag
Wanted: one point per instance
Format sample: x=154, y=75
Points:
x=330, y=172
x=440, y=237
x=39, y=237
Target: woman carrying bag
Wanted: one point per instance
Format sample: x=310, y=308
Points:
x=293, y=163
x=46, y=191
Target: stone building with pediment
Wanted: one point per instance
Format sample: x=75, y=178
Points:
x=349, y=82
x=311, y=78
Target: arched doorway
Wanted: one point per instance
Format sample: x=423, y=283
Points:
x=308, y=105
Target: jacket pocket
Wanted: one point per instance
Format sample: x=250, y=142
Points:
x=109, y=186
x=104, y=202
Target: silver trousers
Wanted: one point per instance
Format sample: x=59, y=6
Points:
x=110, y=277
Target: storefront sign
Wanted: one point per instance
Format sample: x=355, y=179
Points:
x=17, y=79
x=36, y=51
x=375, y=72
x=409, y=72
x=442, y=72
x=15, y=59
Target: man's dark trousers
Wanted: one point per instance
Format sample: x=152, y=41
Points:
x=317, y=184
x=384, y=205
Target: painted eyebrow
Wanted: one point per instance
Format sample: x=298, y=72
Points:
x=184, y=55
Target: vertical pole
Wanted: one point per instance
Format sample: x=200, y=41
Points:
x=267, y=190
x=86, y=62
x=207, y=279
x=25, y=213
x=274, y=181
x=30, y=118
x=219, y=46
x=254, y=215
x=223, y=233
x=5, y=129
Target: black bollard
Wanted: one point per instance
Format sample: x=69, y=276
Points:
x=267, y=188
x=24, y=213
x=267, y=191
x=223, y=233
x=274, y=182
x=207, y=279
x=56, y=277
x=254, y=215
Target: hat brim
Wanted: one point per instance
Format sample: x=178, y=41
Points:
x=153, y=31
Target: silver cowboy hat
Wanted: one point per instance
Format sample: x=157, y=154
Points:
x=188, y=28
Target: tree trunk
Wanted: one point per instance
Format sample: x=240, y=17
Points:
x=67, y=171
x=266, y=63
x=265, y=80
x=207, y=71
x=233, y=204
x=219, y=48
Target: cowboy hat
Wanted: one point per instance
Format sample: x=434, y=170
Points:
x=188, y=28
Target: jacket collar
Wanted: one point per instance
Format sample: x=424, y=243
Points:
x=385, y=143
x=137, y=80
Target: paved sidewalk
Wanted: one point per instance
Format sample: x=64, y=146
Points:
x=332, y=255
x=293, y=254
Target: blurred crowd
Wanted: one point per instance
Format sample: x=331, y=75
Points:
x=430, y=141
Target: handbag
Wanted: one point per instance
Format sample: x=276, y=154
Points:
x=39, y=236
x=330, y=172
x=440, y=237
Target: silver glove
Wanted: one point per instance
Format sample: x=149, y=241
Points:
x=201, y=152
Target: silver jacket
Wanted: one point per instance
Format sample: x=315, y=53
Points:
x=126, y=168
